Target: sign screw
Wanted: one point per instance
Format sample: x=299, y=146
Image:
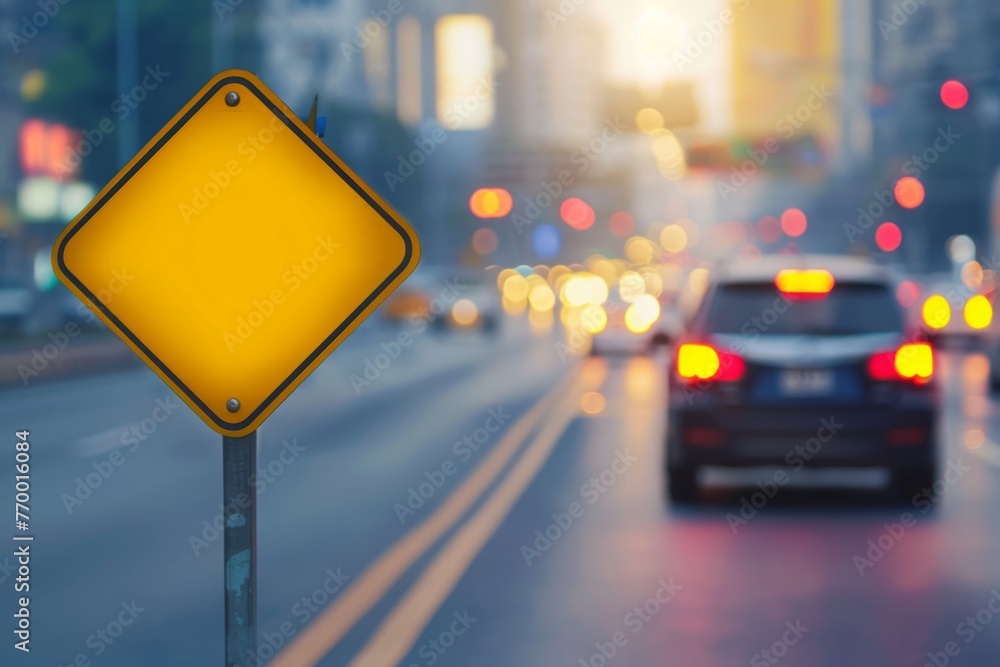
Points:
x=233, y=405
x=232, y=98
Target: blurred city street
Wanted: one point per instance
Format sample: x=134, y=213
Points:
x=534, y=584
x=500, y=333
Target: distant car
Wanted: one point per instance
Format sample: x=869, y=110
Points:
x=951, y=309
x=618, y=338
x=801, y=361
x=446, y=298
x=15, y=306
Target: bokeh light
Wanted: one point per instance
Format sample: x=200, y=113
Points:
x=907, y=293
x=674, y=238
x=769, y=229
x=484, y=241
x=888, y=237
x=577, y=213
x=546, y=240
x=649, y=120
x=909, y=192
x=622, y=224
x=954, y=94
x=491, y=203
x=794, y=222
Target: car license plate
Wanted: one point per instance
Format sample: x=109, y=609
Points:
x=808, y=382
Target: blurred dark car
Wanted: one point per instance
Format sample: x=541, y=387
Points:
x=801, y=361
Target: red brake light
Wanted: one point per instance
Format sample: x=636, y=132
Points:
x=698, y=362
x=912, y=361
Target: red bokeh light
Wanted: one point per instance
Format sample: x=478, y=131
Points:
x=794, y=222
x=577, y=213
x=888, y=236
x=907, y=293
x=622, y=224
x=769, y=229
x=954, y=94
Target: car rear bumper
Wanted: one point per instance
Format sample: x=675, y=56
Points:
x=820, y=436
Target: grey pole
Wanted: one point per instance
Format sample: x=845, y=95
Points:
x=239, y=465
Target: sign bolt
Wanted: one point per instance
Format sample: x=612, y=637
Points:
x=233, y=405
x=232, y=98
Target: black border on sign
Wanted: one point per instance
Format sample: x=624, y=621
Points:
x=407, y=256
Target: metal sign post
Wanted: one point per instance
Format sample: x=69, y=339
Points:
x=239, y=463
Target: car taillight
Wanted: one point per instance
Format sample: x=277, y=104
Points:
x=698, y=362
x=804, y=284
x=912, y=361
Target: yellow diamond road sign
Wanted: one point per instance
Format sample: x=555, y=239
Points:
x=235, y=252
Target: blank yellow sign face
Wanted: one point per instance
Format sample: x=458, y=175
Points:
x=235, y=252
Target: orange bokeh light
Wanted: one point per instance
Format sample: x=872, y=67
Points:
x=909, y=192
x=491, y=203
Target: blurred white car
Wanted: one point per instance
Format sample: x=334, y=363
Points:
x=627, y=333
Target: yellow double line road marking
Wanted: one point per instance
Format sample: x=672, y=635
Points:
x=334, y=622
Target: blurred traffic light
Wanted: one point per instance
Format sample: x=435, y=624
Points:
x=491, y=203
x=794, y=222
x=954, y=94
x=577, y=213
x=909, y=192
x=888, y=237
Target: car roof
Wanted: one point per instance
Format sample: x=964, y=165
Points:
x=764, y=269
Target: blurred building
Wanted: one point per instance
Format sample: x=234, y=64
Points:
x=788, y=80
x=917, y=48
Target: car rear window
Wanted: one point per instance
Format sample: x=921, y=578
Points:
x=850, y=309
